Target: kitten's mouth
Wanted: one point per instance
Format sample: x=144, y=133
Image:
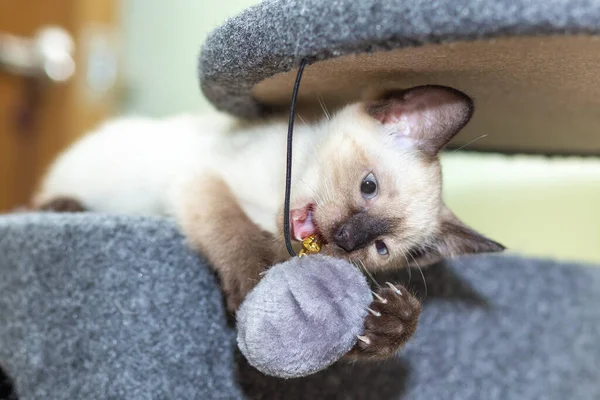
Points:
x=303, y=223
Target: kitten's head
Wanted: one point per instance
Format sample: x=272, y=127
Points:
x=373, y=191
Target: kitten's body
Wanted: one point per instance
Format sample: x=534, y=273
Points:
x=367, y=181
x=137, y=165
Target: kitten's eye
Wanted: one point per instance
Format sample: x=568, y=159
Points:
x=381, y=248
x=368, y=186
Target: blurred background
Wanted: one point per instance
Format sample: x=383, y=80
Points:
x=66, y=65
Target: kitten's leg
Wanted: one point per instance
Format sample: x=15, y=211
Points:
x=215, y=225
x=391, y=322
x=61, y=204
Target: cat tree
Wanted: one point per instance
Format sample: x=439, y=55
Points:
x=101, y=306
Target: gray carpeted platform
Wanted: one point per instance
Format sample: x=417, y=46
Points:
x=275, y=35
x=101, y=307
x=533, y=67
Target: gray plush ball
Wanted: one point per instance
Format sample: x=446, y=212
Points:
x=303, y=316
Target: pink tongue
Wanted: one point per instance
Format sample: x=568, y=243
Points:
x=302, y=224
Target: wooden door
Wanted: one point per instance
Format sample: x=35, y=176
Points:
x=40, y=116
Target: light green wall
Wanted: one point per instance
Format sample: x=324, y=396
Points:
x=534, y=205
x=537, y=206
x=162, y=41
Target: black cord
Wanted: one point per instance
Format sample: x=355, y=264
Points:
x=288, y=171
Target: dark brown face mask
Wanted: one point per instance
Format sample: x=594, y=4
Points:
x=360, y=230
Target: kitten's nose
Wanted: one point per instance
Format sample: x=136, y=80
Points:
x=343, y=238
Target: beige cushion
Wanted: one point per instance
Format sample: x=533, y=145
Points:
x=532, y=94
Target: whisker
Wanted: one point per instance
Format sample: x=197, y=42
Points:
x=355, y=264
x=363, y=270
x=324, y=107
x=369, y=274
x=303, y=121
x=465, y=145
x=422, y=276
x=318, y=198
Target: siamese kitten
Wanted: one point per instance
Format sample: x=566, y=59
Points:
x=367, y=181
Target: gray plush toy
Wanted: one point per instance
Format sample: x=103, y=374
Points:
x=303, y=316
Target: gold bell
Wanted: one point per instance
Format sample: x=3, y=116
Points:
x=311, y=245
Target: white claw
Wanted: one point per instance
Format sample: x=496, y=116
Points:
x=394, y=288
x=364, y=339
x=381, y=299
x=375, y=313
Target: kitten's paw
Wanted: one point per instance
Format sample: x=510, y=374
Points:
x=392, y=321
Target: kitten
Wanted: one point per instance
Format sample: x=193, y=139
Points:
x=367, y=181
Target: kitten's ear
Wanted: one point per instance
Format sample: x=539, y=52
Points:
x=455, y=238
x=427, y=117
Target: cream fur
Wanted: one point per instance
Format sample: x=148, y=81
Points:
x=137, y=165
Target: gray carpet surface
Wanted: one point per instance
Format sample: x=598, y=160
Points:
x=275, y=35
x=104, y=307
x=109, y=308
